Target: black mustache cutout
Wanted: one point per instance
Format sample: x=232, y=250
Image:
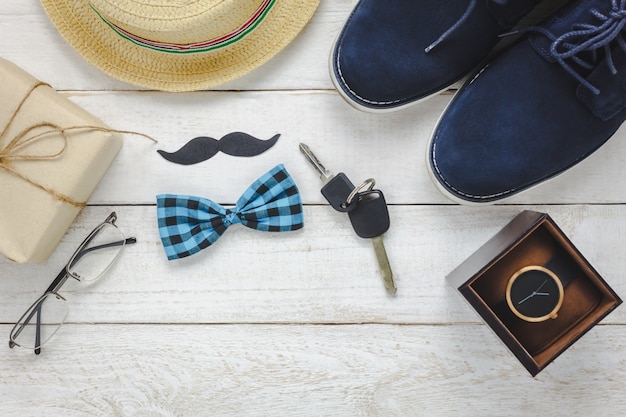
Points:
x=235, y=144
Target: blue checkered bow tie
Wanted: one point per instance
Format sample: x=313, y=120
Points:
x=189, y=224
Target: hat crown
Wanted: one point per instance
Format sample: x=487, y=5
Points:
x=179, y=45
x=177, y=21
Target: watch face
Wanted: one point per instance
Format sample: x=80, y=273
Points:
x=534, y=294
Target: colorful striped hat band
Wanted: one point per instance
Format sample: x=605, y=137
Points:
x=218, y=42
x=175, y=45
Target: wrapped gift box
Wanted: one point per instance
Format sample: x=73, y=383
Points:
x=42, y=193
x=533, y=239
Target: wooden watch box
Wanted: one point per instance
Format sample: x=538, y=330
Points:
x=533, y=238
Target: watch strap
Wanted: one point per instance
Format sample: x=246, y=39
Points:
x=565, y=271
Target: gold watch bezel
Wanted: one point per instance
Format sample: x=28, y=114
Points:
x=554, y=312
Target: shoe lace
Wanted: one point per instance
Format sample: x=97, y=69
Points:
x=589, y=38
x=459, y=22
x=452, y=28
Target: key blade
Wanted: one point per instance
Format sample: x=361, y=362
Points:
x=325, y=175
x=383, y=263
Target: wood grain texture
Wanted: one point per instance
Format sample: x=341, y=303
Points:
x=322, y=273
x=294, y=324
x=389, y=147
x=260, y=370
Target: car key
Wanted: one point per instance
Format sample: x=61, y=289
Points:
x=336, y=188
x=367, y=210
x=370, y=220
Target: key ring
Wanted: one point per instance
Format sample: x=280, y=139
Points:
x=370, y=181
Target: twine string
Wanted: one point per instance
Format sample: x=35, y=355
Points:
x=11, y=151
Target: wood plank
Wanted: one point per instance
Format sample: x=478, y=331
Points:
x=294, y=324
x=260, y=370
x=389, y=147
x=320, y=274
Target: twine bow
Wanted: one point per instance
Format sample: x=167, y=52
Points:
x=14, y=149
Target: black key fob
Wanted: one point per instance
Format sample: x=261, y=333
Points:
x=336, y=192
x=370, y=217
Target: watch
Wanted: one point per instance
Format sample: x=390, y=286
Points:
x=535, y=293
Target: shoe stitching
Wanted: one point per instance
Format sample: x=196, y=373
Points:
x=586, y=37
x=441, y=38
x=345, y=85
x=459, y=192
x=618, y=11
x=477, y=74
x=440, y=174
x=608, y=30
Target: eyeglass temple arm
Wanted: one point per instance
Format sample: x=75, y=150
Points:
x=57, y=283
x=111, y=218
x=37, y=310
x=127, y=241
x=38, y=331
x=62, y=277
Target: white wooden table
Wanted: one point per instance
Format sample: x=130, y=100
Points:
x=294, y=324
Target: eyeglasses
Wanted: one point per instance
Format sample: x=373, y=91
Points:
x=88, y=263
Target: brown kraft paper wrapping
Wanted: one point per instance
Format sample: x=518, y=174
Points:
x=46, y=179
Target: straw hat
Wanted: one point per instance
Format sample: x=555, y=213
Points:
x=178, y=45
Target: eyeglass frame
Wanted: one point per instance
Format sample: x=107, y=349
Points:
x=62, y=277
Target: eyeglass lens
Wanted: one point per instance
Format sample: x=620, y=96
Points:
x=95, y=255
x=100, y=250
x=40, y=322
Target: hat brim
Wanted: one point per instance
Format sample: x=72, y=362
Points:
x=94, y=39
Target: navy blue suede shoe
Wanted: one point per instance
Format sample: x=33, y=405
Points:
x=537, y=109
x=392, y=53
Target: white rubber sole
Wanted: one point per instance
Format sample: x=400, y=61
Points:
x=455, y=197
x=338, y=86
